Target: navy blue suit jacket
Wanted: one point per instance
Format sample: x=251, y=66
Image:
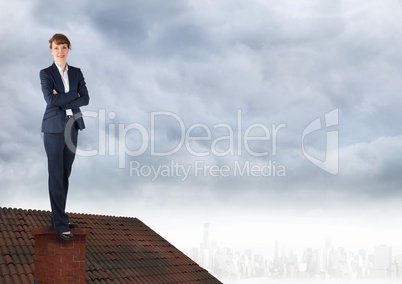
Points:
x=54, y=118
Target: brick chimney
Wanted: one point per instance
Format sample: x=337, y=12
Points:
x=58, y=261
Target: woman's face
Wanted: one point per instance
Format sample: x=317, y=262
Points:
x=59, y=52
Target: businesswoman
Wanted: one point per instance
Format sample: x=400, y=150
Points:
x=65, y=91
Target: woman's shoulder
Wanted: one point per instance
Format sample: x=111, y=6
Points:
x=49, y=69
x=73, y=68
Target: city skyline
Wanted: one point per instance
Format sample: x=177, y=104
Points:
x=325, y=262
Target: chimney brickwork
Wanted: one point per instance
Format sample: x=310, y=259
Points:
x=58, y=261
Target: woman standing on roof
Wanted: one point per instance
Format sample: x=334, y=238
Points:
x=65, y=91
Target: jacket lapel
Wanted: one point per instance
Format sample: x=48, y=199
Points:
x=71, y=77
x=57, y=79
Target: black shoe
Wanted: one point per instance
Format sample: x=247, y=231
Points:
x=67, y=237
x=72, y=225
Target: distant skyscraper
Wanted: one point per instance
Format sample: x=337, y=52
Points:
x=206, y=235
x=276, y=253
x=206, y=257
x=382, y=261
x=382, y=257
x=309, y=258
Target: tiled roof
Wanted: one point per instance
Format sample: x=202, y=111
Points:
x=119, y=250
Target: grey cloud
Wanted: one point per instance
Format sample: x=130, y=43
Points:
x=148, y=29
x=277, y=62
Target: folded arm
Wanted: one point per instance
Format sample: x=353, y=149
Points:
x=54, y=99
x=83, y=95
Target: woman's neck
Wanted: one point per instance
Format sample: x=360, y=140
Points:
x=62, y=65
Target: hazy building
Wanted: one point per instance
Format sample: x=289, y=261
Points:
x=382, y=261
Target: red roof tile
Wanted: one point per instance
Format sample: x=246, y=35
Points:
x=119, y=250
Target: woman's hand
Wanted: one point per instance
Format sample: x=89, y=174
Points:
x=54, y=92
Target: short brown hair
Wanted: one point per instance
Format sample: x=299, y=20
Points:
x=59, y=39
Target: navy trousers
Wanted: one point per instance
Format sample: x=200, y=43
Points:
x=60, y=157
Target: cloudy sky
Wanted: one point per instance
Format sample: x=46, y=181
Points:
x=285, y=115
